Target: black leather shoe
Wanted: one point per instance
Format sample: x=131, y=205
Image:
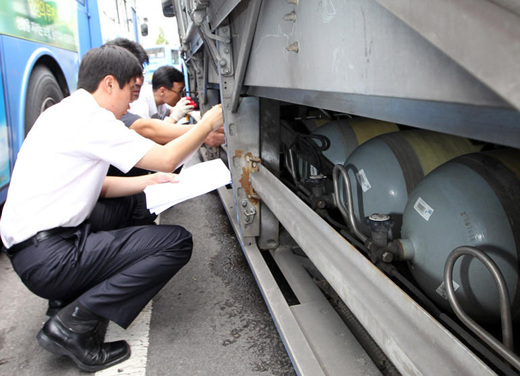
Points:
x=85, y=349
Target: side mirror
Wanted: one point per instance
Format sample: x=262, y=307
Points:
x=168, y=8
x=144, y=30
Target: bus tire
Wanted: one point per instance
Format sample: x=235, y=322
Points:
x=43, y=92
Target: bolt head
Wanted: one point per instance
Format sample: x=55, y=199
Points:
x=387, y=257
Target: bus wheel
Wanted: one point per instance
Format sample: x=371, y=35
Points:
x=43, y=92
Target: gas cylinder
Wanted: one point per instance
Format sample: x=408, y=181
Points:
x=384, y=170
x=346, y=135
x=472, y=200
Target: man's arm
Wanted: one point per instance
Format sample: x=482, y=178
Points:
x=167, y=157
x=120, y=186
x=162, y=132
x=158, y=130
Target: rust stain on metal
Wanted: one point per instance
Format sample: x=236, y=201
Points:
x=244, y=180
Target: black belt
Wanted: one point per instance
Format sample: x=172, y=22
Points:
x=34, y=240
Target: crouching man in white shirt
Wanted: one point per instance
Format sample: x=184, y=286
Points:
x=59, y=175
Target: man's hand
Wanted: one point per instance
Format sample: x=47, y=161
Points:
x=216, y=138
x=162, y=177
x=181, y=109
x=213, y=117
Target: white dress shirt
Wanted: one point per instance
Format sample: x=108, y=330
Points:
x=145, y=105
x=62, y=164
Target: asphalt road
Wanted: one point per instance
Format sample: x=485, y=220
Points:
x=210, y=319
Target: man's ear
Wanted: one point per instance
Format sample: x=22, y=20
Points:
x=108, y=83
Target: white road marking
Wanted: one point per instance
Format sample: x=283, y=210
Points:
x=137, y=337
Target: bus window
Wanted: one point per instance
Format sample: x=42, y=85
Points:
x=160, y=56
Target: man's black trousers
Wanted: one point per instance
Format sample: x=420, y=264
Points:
x=114, y=273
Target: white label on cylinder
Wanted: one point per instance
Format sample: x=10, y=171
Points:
x=441, y=290
x=363, y=181
x=423, y=209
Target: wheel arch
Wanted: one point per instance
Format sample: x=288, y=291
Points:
x=45, y=57
x=56, y=70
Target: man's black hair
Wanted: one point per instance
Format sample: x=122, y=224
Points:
x=98, y=63
x=134, y=47
x=166, y=76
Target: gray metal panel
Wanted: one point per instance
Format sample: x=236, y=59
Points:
x=219, y=10
x=481, y=36
x=355, y=47
x=333, y=343
x=495, y=125
x=336, y=347
x=243, y=143
x=244, y=20
x=356, y=57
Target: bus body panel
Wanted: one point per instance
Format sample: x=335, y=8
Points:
x=5, y=169
x=88, y=19
x=19, y=63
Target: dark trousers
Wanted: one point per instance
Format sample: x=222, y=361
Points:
x=115, y=213
x=114, y=273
